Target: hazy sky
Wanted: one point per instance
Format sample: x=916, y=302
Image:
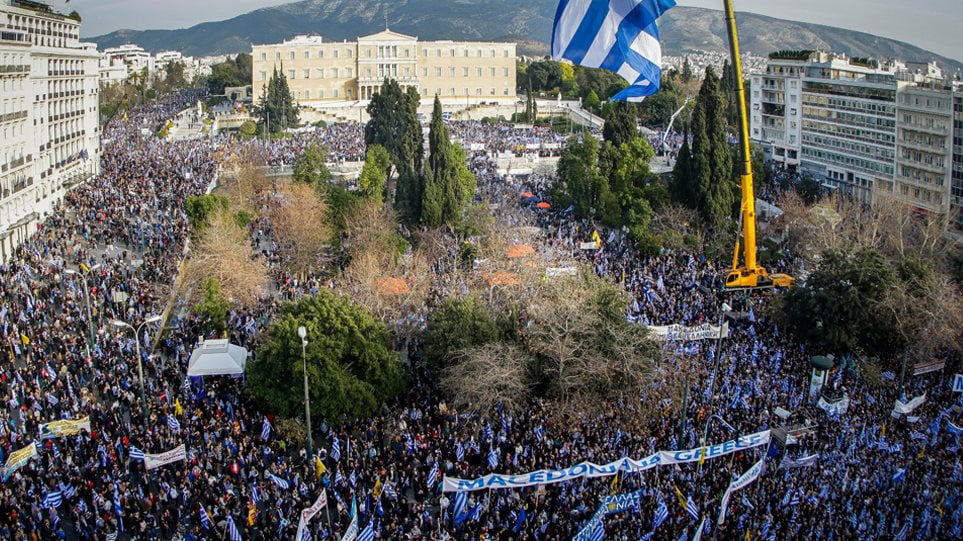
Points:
x=936, y=25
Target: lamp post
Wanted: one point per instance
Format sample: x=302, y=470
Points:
x=303, y=333
x=718, y=352
x=90, y=319
x=140, y=367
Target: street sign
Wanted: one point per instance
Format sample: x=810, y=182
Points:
x=958, y=383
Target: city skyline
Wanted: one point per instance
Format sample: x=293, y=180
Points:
x=936, y=31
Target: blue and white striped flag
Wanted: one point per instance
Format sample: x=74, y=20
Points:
x=598, y=533
x=136, y=454
x=367, y=534
x=283, y=484
x=617, y=35
x=492, y=458
x=335, y=449
x=691, y=508
x=173, y=423
x=52, y=499
x=390, y=491
x=52, y=399
x=433, y=476
x=661, y=514
x=232, y=530
x=205, y=519
x=460, y=452
x=461, y=500
x=265, y=429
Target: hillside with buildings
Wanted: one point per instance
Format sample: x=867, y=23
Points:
x=684, y=29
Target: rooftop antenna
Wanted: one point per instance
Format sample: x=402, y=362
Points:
x=386, y=18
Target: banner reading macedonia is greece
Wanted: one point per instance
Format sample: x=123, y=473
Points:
x=591, y=470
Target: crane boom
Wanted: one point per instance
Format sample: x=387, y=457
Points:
x=749, y=274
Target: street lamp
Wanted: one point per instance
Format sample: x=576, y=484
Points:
x=90, y=319
x=718, y=352
x=140, y=367
x=303, y=333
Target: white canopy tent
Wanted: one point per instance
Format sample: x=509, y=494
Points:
x=217, y=358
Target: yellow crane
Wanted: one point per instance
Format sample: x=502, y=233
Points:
x=749, y=274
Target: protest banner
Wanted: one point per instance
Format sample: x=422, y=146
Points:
x=590, y=470
x=310, y=512
x=66, y=427
x=158, y=460
x=685, y=334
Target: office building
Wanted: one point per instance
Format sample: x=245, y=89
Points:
x=861, y=126
x=50, y=134
x=321, y=72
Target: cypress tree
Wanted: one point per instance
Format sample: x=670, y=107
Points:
x=278, y=111
x=711, y=154
x=394, y=125
x=447, y=187
x=683, y=177
x=620, y=123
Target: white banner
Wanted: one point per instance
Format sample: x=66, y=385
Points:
x=789, y=463
x=816, y=382
x=588, y=246
x=156, y=461
x=833, y=408
x=310, y=512
x=591, y=470
x=553, y=272
x=65, y=427
x=958, y=383
x=903, y=408
x=679, y=332
x=751, y=475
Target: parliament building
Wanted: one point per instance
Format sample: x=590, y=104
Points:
x=321, y=72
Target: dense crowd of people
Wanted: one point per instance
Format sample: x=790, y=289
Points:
x=123, y=234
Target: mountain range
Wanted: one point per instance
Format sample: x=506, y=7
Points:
x=528, y=22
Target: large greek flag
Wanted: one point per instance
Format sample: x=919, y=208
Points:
x=617, y=35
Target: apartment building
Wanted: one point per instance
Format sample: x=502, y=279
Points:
x=320, y=72
x=862, y=126
x=49, y=103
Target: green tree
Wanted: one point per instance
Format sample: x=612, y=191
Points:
x=657, y=110
x=580, y=181
x=621, y=123
x=374, y=173
x=683, y=176
x=449, y=185
x=310, y=166
x=214, y=309
x=457, y=324
x=592, y=102
x=200, y=208
x=687, y=74
x=277, y=111
x=394, y=125
x=248, y=129
x=711, y=156
x=235, y=71
x=351, y=369
x=838, y=309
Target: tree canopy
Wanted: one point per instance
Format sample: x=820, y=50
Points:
x=449, y=185
x=351, y=369
x=374, y=173
x=310, y=166
x=394, y=125
x=277, y=111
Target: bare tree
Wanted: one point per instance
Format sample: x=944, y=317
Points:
x=299, y=219
x=223, y=251
x=484, y=376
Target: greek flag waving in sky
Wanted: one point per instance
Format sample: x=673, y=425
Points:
x=617, y=35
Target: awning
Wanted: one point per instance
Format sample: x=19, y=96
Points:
x=217, y=358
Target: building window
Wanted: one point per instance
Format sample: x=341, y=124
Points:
x=320, y=73
x=493, y=53
x=505, y=72
x=424, y=72
x=350, y=54
x=307, y=74
x=437, y=72
x=290, y=74
x=452, y=91
x=292, y=55
x=505, y=92
x=334, y=73
x=263, y=57
x=321, y=93
x=336, y=56
x=307, y=94
x=307, y=55
x=451, y=72
x=478, y=92
x=424, y=52
x=493, y=72
x=367, y=53
x=478, y=72
x=320, y=53
x=277, y=55
x=336, y=92
x=263, y=75
x=506, y=54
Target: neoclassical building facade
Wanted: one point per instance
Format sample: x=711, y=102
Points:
x=321, y=72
